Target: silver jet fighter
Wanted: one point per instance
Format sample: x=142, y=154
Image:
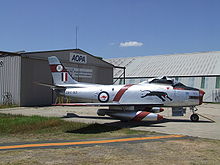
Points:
x=135, y=102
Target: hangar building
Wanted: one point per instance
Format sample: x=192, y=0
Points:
x=199, y=70
x=19, y=73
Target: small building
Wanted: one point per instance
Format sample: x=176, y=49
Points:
x=199, y=70
x=20, y=73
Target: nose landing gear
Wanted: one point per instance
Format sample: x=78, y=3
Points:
x=194, y=117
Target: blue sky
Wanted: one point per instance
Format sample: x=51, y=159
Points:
x=111, y=28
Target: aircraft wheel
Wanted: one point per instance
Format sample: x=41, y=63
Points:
x=194, y=117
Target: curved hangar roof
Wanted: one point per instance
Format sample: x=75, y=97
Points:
x=188, y=64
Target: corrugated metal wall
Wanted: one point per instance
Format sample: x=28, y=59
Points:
x=189, y=64
x=35, y=68
x=10, y=79
x=101, y=71
x=20, y=72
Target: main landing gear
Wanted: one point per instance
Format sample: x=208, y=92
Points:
x=194, y=117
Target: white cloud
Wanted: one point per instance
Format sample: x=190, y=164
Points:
x=131, y=44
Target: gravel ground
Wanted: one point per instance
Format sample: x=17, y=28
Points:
x=181, y=152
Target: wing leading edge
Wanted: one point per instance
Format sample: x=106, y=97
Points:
x=108, y=104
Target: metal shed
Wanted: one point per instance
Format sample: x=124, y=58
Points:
x=19, y=73
x=10, y=76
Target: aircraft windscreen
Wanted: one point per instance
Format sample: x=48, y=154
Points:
x=178, y=85
x=169, y=81
x=163, y=80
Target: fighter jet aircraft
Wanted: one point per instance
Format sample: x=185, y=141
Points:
x=132, y=102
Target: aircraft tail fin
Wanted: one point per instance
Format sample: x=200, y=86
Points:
x=61, y=76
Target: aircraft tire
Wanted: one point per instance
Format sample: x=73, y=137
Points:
x=194, y=117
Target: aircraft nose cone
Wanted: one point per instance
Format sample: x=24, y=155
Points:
x=201, y=94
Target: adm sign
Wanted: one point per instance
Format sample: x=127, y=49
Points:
x=78, y=58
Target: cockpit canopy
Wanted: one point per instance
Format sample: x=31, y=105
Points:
x=163, y=80
x=167, y=81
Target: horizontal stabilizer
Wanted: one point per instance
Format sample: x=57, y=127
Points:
x=50, y=86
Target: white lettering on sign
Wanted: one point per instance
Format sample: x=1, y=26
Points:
x=1, y=63
x=78, y=58
x=80, y=72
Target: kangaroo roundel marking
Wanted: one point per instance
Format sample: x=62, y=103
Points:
x=161, y=95
x=59, y=68
x=103, y=97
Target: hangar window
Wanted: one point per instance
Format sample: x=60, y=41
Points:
x=132, y=81
x=203, y=82
x=191, y=81
x=217, y=84
x=120, y=82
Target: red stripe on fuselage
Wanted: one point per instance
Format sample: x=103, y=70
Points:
x=53, y=68
x=121, y=92
x=179, y=89
x=140, y=116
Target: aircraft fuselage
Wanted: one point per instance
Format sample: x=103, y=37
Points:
x=154, y=94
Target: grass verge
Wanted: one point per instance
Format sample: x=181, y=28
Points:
x=7, y=106
x=48, y=128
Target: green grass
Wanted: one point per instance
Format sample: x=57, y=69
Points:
x=18, y=124
x=45, y=128
x=7, y=106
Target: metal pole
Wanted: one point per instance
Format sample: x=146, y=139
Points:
x=124, y=75
x=76, y=36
